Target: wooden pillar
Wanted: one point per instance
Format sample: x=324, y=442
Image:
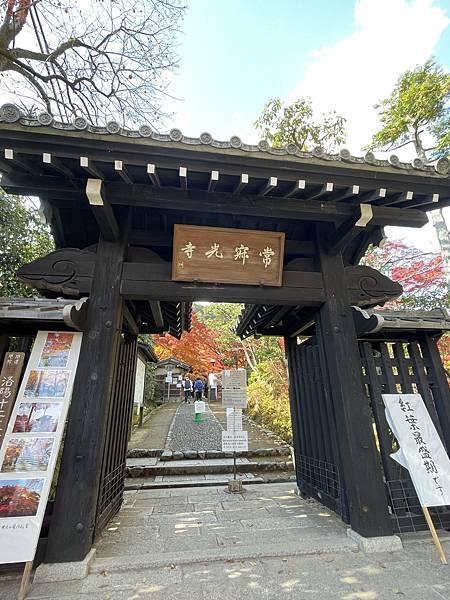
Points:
x=73, y=520
x=359, y=461
x=439, y=384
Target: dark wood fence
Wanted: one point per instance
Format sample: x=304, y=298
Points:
x=387, y=367
x=405, y=367
x=118, y=429
x=314, y=427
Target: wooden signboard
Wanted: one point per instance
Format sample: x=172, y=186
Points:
x=9, y=382
x=220, y=255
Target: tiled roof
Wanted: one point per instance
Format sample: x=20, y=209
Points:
x=10, y=113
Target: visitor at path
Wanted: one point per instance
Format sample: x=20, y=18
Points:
x=198, y=388
x=205, y=388
x=187, y=385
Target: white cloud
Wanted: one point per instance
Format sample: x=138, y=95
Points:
x=390, y=36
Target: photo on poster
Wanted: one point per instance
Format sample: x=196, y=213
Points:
x=20, y=497
x=37, y=417
x=27, y=454
x=56, y=349
x=46, y=384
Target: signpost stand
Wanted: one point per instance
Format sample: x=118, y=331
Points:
x=234, y=398
x=437, y=541
x=24, y=584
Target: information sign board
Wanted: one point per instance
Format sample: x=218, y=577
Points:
x=234, y=441
x=234, y=398
x=234, y=419
x=236, y=378
x=30, y=448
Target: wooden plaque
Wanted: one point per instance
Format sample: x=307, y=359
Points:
x=9, y=382
x=220, y=255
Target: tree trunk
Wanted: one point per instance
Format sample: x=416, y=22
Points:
x=438, y=221
x=443, y=235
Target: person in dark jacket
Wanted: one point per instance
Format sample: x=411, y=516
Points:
x=187, y=386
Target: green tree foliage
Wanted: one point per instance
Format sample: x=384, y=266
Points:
x=418, y=105
x=297, y=124
x=268, y=400
x=24, y=238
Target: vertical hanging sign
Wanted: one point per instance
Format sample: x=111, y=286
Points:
x=9, y=382
x=31, y=443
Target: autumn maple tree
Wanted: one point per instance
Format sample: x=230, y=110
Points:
x=198, y=348
x=423, y=279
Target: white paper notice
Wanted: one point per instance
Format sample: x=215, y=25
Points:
x=234, y=398
x=232, y=379
x=199, y=406
x=30, y=448
x=234, y=419
x=234, y=441
x=421, y=450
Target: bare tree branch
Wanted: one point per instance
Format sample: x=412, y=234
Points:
x=112, y=61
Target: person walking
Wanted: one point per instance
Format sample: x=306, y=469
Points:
x=187, y=385
x=198, y=388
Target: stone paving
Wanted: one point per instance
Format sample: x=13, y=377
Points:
x=204, y=544
x=185, y=434
x=154, y=431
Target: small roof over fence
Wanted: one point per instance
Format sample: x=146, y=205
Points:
x=290, y=322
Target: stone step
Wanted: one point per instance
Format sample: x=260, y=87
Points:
x=205, y=467
x=180, y=482
x=306, y=546
x=202, y=454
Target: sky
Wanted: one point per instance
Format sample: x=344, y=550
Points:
x=344, y=54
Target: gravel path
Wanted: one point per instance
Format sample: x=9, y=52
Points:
x=185, y=434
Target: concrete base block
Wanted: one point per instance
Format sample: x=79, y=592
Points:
x=235, y=486
x=65, y=571
x=369, y=545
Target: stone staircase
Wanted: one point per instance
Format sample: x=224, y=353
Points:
x=155, y=468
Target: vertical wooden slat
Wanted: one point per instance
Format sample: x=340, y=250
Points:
x=423, y=385
x=384, y=433
x=439, y=385
x=391, y=387
x=402, y=365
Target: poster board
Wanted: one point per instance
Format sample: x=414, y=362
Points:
x=421, y=449
x=33, y=437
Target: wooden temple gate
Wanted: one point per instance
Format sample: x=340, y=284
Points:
x=113, y=197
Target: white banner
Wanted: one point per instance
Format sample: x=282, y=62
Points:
x=233, y=379
x=234, y=441
x=421, y=450
x=234, y=419
x=234, y=398
x=29, y=451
